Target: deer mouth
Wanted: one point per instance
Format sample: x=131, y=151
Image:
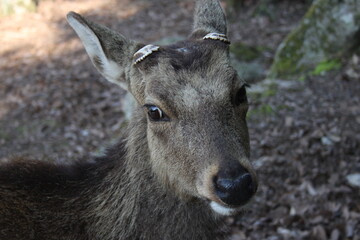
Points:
x=220, y=207
x=224, y=210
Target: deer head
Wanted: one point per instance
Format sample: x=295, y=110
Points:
x=194, y=102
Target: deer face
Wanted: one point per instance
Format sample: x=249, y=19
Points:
x=198, y=139
x=194, y=102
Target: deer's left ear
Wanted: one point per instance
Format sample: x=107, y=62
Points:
x=209, y=17
x=110, y=52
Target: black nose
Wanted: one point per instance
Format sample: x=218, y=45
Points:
x=234, y=186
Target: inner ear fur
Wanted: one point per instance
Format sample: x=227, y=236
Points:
x=110, y=52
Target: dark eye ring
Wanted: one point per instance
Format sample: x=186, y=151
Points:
x=155, y=113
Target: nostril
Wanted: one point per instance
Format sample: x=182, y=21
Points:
x=236, y=191
x=245, y=182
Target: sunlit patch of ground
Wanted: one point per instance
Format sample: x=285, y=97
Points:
x=37, y=34
x=43, y=36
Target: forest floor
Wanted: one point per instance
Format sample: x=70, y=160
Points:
x=305, y=139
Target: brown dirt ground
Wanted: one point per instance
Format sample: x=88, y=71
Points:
x=55, y=106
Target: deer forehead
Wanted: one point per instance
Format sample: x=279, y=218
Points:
x=195, y=97
x=189, y=91
x=190, y=74
x=183, y=57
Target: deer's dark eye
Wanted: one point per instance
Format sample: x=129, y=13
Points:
x=155, y=113
x=240, y=96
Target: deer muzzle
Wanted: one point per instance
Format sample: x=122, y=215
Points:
x=228, y=187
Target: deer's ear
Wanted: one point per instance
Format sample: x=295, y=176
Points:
x=109, y=51
x=209, y=18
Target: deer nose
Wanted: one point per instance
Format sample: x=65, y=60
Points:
x=234, y=186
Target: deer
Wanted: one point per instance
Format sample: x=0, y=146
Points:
x=179, y=169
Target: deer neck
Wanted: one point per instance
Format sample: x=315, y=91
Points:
x=141, y=207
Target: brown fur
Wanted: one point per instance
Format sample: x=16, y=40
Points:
x=157, y=182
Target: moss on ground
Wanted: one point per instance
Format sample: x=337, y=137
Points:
x=322, y=36
x=326, y=66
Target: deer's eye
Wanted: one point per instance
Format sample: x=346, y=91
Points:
x=155, y=113
x=240, y=96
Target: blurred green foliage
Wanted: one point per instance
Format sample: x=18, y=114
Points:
x=245, y=52
x=326, y=66
x=328, y=32
x=8, y=7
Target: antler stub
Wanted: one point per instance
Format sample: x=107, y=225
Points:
x=142, y=53
x=217, y=36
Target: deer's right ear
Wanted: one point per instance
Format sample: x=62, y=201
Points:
x=110, y=52
x=209, y=17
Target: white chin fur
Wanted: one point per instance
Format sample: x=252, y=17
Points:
x=225, y=211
